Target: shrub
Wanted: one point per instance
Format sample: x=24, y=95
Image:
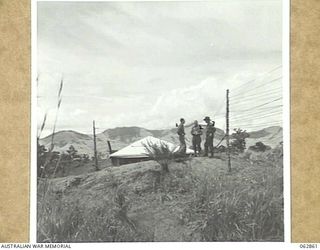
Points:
x=160, y=153
x=72, y=152
x=221, y=149
x=47, y=161
x=275, y=156
x=259, y=147
x=85, y=158
x=238, y=142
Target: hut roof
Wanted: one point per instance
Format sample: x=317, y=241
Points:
x=138, y=150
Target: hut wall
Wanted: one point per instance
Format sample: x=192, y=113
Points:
x=123, y=161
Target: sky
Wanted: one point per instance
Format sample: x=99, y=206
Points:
x=149, y=63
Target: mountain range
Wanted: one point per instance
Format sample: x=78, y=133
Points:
x=122, y=136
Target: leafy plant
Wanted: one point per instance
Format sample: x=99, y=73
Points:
x=85, y=158
x=160, y=153
x=72, y=152
x=238, y=140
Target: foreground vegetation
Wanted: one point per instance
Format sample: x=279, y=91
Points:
x=197, y=200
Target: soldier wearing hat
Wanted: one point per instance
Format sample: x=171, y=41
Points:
x=181, y=133
x=208, y=145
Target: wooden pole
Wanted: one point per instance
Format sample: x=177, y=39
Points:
x=95, y=147
x=227, y=130
x=110, y=148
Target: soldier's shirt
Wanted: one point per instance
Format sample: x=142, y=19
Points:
x=181, y=129
x=210, y=130
x=196, y=130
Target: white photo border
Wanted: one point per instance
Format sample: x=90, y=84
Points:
x=171, y=245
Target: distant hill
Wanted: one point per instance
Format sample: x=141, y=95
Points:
x=271, y=136
x=123, y=136
x=64, y=139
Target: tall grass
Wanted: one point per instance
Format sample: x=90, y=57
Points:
x=69, y=222
x=43, y=125
x=160, y=153
x=229, y=208
x=66, y=220
x=43, y=207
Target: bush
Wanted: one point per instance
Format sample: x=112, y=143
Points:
x=72, y=152
x=221, y=149
x=85, y=158
x=47, y=161
x=160, y=153
x=238, y=140
x=275, y=156
x=259, y=147
x=271, y=157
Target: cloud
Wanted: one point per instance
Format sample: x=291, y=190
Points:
x=149, y=63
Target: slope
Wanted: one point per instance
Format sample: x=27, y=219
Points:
x=196, y=201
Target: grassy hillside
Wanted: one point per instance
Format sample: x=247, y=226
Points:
x=198, y=200
x=270, y=136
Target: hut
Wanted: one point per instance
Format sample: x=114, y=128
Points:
x=136, y=152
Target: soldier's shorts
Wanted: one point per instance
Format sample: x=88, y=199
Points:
x=196, y=140
x=183, y=146
x=209, y=142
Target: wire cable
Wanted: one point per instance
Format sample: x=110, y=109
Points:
x=252, y=126
x=256, y=95
x=245, y=104
x=256, y=117
x=262, y=109
x=256, y=87
x=253, y=80
x=240, y=115
x=261, y=105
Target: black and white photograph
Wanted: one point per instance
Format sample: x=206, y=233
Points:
x=160, y=121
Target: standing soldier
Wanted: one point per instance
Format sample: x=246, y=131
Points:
x=183, y=147
x=196, y=132
x=209, y=136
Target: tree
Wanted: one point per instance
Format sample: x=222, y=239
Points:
x=238, y=143
x=46, y=161
x=85, y=158
x=41, y=158
x=72, y=152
